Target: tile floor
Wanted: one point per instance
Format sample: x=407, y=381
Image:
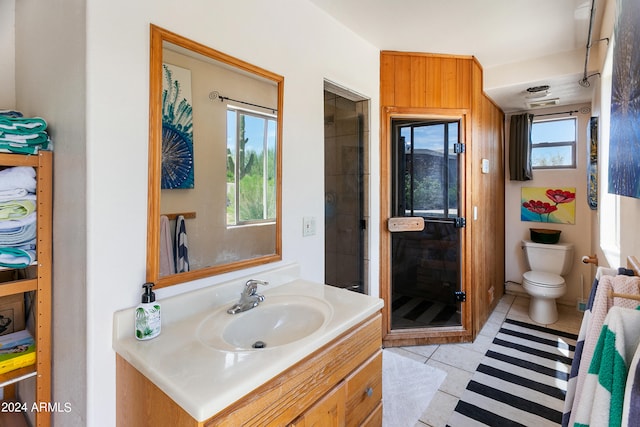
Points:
x=460, y=365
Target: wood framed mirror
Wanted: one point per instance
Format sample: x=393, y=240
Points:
x=215, y=161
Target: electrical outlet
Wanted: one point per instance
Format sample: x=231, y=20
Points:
x=308, y=226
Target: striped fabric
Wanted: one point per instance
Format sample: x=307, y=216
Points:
x=521, y=381
x=181, y=246
x=604, y=387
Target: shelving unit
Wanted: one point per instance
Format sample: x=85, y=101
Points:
x=37, y=280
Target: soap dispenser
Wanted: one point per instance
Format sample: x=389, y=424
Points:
x=148, y=315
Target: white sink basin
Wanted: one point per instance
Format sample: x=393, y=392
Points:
x=278, y=320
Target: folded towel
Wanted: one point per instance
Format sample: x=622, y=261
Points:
x=167, y=262
x=181, y=246
x=16, y=209
x=577, y=354
x=21, y=222
x=25, y=144
x=15, y=194
x=604, y=271
x=27, y=139
x=601, y=305
x=10, y=113
x=21, y=125
x=18, y=177
x=602, y=396
x=19, y=236
x=16, y=257
x=23, y=149
x=631, y=406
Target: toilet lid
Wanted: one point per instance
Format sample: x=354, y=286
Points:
x=542, y=278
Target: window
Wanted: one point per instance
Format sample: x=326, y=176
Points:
x=553, y=144
x=251, y=167
x=430, y=163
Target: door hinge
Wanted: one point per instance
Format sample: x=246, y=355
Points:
x=458, y=148
x=460, y=222
x=461, y=296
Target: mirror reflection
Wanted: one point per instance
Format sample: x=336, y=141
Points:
x=214, y=164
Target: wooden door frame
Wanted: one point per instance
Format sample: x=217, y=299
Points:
x=423, y=336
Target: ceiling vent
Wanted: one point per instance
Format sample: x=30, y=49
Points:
x=543, y=103
x=537, y=92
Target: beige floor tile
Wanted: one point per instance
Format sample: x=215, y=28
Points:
x=497, y=317
x=569, y=319
x=440, y=410
x=505, y=303
x=456, y=381
x=480, y=345
x=457, y=356
x=425, y=351
x=410, y=353
x=490, y=329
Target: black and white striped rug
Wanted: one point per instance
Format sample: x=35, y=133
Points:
x=521, y=380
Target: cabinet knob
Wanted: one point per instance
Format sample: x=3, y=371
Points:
x=369, y=391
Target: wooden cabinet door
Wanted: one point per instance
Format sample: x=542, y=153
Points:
x=327, y=412
x=363, y=390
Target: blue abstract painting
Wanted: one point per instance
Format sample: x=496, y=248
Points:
x=624, y=148
x=177, y=129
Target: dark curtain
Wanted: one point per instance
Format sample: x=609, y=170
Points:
x=520, y=147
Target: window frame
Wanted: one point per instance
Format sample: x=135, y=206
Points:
x=572, y=144
x=268, y=119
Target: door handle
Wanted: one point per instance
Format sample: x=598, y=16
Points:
x=405, y=223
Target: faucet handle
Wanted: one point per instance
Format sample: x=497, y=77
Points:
x=251, y=287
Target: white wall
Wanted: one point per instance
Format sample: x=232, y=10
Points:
x=289, y=37
x=50, y=82
x=7, y=58
x=579, y=233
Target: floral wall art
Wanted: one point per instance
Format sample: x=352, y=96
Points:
x=551, y=205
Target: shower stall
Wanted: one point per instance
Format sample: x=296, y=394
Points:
x=346, y=172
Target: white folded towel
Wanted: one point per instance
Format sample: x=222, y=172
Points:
x=15, y=194
x=167, y=263
x=18, y=177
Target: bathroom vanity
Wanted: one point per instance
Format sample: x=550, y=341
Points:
x=322, y=362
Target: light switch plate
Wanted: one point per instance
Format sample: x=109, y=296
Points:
x=308, y=226
x=485, y=165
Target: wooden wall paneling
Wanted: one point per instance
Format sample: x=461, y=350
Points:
x=387, y=79
x=418, y=81
x=402, y=88
x=450, y=83
x=465, y=86
x=433, y=70
x=436, y=81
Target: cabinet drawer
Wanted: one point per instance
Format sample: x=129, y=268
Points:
x=375, y=419
x=364, y=390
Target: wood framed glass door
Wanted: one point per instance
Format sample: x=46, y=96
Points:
x=424, y=238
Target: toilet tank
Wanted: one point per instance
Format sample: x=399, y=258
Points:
x=553, y=258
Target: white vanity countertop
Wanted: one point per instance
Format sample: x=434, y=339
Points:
x=204, y=380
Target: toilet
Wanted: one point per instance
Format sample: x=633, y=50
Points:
x=544, y=282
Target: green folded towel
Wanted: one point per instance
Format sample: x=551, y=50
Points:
x=16, y=209
x=21, y=125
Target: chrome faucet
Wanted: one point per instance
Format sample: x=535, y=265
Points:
x=249, y=297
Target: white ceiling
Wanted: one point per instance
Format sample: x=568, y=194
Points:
x=519, y=43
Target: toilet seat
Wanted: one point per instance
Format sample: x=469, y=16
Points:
x=543, y=279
